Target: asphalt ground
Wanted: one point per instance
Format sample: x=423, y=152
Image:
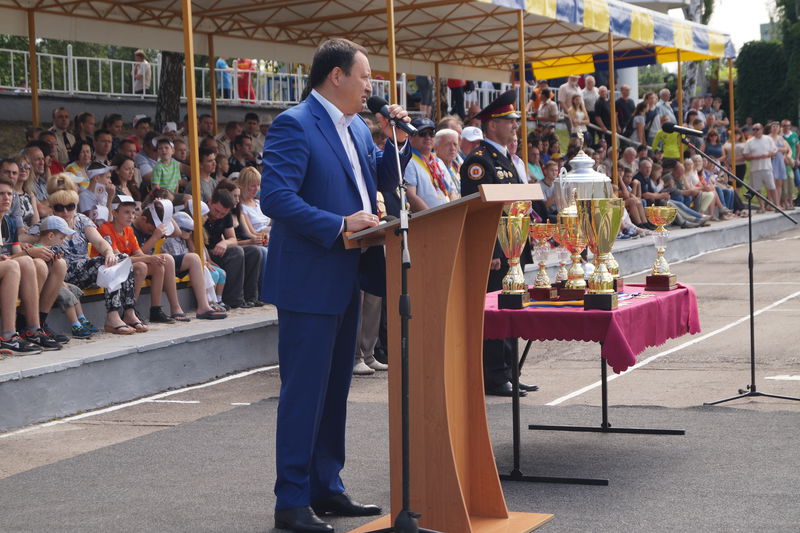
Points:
x=201, y=459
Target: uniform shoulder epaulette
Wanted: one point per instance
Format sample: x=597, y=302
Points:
x=478, y=152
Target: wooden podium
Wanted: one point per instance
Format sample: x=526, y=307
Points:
x=454, y=483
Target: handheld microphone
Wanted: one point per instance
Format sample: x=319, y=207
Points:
x=379, y=106
x=669, y=127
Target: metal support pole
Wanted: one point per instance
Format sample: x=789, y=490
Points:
x=33, y=67
x=613, y=104
x=390, y=47
x=437, y=92
x=680, y=90
x=731, y=115
x=523, y=100
x=191, y=122
x=212, y=77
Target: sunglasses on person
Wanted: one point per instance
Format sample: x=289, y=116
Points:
x=426, y=133
x=64, y=207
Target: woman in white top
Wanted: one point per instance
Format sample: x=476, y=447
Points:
x=578, y=116
x=254, y=222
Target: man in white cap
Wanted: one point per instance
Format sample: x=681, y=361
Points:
x=471, y=137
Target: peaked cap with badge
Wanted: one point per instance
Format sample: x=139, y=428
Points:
x=485, y=164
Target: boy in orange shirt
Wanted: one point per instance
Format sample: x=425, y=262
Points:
x=160, y=268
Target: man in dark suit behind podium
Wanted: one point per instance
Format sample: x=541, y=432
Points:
x=321, y=175
x=490, y=162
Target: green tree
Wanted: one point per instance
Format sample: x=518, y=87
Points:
x=761, y=67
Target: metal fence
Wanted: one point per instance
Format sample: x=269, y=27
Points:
x=74, y=75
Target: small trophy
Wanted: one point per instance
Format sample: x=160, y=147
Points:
x=563, y=256
x=660, y=278
x=542, y=289
x=572, y=238
x=613, y=268
x=601, y=219
x=513, y=234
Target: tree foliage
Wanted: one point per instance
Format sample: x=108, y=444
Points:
x=761, y=67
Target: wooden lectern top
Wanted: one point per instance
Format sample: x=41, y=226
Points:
x=488, y=194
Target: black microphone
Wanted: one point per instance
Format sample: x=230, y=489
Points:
x=379, y=106
x=669, y=127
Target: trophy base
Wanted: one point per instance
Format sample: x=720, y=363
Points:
x=543, y=294
x=512, y=301
x=661, y=283
x=600, y=302
x=571, y=294
x=619, y=284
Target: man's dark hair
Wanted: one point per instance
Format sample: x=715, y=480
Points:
x=100, y=132
x=201, y=117
x=148, y=139
x=222, y=197
x=10, y=161
x=642, y=147
x=164, y=140
x=127, y=141
x=545, y=94
x=109, y=119
x=331, y=54
x=251, y=116
x=46, y=133
x=239, y=140
x=231, y=125
x=205, y=152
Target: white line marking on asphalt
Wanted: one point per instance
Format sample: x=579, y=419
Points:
x=240, y=403
x=140, y=401
x=784, y=377
x=173, y=401
x=672, y=350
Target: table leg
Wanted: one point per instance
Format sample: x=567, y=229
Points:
x=516, y=473
x=605, y=426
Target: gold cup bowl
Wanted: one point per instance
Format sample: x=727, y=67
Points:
x=541, y=233
x=513, y=234
x=572, y=238
x=600, y=219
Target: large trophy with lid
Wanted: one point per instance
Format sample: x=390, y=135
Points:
x=601, y=219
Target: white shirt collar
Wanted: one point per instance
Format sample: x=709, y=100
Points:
x=503, y=149
x=336, y=115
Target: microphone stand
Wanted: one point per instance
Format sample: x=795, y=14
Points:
x=750, y=390
x=406, y=520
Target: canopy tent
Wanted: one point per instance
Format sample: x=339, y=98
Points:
x=467, y=39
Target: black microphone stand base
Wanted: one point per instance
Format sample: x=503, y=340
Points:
x=751, y=394
x=406, y=522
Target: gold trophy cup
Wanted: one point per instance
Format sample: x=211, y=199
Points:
x=601, y=219
x=563, y=257
x=542, y=289
x=513, y=234
x=572, y=238
x=660, y=278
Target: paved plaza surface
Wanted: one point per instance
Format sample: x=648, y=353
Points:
x=202, y=459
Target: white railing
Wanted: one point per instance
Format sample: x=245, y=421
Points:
x=71, y=75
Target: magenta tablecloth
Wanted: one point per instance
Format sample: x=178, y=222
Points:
x=635, y=325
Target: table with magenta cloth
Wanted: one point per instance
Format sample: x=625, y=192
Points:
x=643, y=319
x=638, y=323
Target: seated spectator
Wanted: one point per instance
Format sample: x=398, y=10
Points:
x=47, y=140
x=52, y=232
x=241, y=263
x=10, y=341
x=146, y=161
x=122, y=177
x=23, y=205
x=427, y=181
x=232, y=130
x=713, y=145
x=628, y=160
x=99, y=192
x=167, y=172
x=208, y=165
x=103, y=142
x=41, y=174
x=84, y=128
x=128, y=149
x=252, y=219
x=141, y=128
x=251, y=128
x=113, y=123
x=547, y=114
x=38, y=284
x=630, y=191
x=241, y=154
x=64, y=138
x=82, y=270
x=549, y=189
x=178, y=245
x=209, y=143
x=223, y=168
x=445, y=145
x=81, y=157
x=535, y=163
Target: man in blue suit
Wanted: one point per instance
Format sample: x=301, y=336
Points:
x=321, y=175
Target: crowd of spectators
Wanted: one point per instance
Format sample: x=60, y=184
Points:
x=88, y=209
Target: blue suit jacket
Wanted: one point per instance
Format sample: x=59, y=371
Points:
x=307, y=186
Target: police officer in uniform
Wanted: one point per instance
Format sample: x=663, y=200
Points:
x=490, y=162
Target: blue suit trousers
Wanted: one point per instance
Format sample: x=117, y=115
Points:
x=316, y=354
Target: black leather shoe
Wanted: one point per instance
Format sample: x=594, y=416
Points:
x=301, y=520
x=529, y=388
x=503, y=390
x=342, y=505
